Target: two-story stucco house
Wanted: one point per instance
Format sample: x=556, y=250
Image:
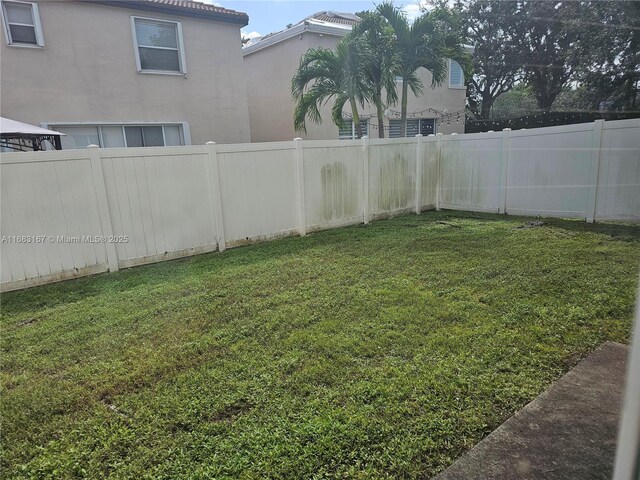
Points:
x=272, y=61
x=125, y=73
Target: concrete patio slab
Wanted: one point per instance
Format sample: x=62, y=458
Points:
x=568, y=432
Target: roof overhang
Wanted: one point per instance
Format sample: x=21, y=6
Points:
x=239, y=18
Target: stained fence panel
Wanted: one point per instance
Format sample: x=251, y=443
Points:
x=167, y=202
x=333, y=184
x=392, y=170
x=428, y=191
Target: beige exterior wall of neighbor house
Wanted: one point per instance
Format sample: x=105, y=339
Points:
x=87, y=73
x=269, y=72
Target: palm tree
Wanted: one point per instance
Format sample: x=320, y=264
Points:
x=427, y=42
x=382, y=61
x=326, y=74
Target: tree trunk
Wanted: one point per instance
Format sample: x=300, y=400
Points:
x=356, y=117
x=545, y=102
x=485, y=109
x=380, y=111
x=403, y=108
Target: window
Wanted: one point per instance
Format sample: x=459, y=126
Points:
x=22, y=24
x=108, y=136
x=159, y=46
x=456, y=75
x=424, y=126
x=349, y=130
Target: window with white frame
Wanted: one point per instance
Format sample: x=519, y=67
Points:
x=21, y=23
x=108, y=136
x=159, y=45
x=456, y=75
x=423, y=126
x=348, y=132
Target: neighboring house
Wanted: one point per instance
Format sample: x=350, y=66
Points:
x=125, y=73
x=271, y=62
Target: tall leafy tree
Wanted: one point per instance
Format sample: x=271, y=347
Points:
x=489, y=26
x=609, y=52
x=337, y=75
x=548, y=46
x=427, y=42
x=382, y=61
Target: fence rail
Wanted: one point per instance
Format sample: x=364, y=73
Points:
x=66, y=214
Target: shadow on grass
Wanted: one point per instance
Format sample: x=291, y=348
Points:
x=178, y=271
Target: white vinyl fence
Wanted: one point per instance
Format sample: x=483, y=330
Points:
x=75, y=212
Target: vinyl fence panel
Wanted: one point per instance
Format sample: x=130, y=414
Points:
x=549, y=171
x=470, y=171
x=392, y=167
x=258, y=191
x=48, y=204
x=158, y=203
x=618, y=193
x=333, y=183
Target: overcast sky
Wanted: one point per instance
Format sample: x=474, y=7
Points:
x=266, y=16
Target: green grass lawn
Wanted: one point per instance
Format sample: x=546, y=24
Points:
x=362, y=352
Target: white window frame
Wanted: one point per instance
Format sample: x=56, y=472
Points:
x=181, y=56
x=184, y=129
x=37, y=26
x=354, y=135
x=456, y=87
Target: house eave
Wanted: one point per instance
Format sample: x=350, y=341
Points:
x=240, y=20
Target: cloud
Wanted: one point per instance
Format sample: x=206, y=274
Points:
x=251, y=35
x=414, y=10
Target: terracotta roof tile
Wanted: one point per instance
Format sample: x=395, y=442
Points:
x=182, y=7
x=193, y=5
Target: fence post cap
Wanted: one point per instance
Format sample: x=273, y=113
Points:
x=490, y=131
x=297, y=139
x=438, y=134
x=93, y=145
x=506, y=129
x=454, y=133
x=210, y=143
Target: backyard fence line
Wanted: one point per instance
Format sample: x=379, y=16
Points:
x=70, y=213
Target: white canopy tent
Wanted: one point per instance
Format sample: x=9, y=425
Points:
x=20, y=136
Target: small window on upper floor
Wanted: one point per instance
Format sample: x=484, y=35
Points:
x=21, y=23
x=456, y=75
x=159, y=46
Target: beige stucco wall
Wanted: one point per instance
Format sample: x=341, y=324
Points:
x=87, y=73
x=270, y=70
